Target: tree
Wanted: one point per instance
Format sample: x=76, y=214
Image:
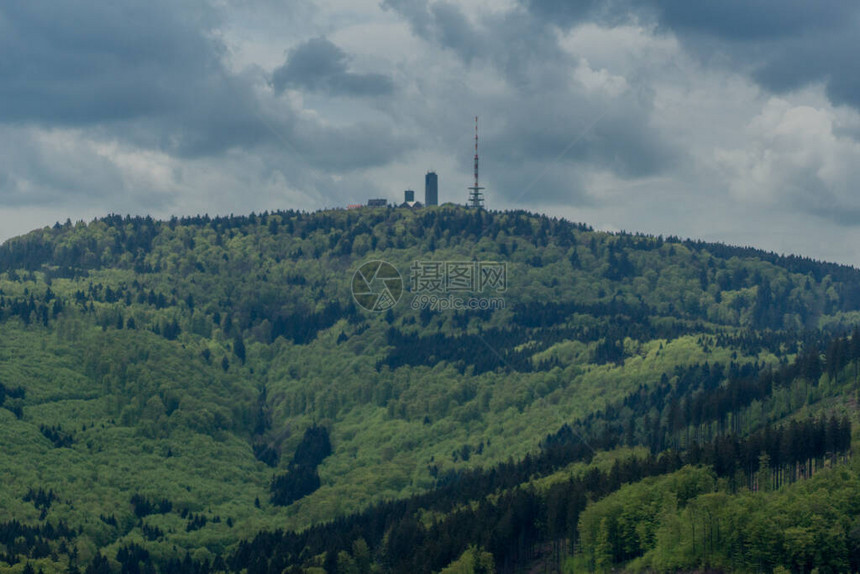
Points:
x=482, y=562
x=346, y=564
x=763, y=476
x=239, y=348
x=603, y=547
x=99, y=565
x=361, y=553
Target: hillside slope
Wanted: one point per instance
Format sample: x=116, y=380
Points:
x=172, y=388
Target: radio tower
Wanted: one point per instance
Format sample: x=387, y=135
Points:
x=476, y=198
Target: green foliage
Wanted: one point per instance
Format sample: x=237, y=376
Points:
x=804, y=526
x=679, y=522
x=183, y=360
x=624, y=525
x=473, y=561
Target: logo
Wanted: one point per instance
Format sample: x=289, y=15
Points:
x=435, y=285
x=458, y=276
x=377, y=286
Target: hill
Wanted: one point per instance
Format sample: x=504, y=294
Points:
x=206, y=393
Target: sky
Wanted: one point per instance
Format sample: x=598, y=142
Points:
x=733, y=120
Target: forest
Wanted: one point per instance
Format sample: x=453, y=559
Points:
x=204, y=394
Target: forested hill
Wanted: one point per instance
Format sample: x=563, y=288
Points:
x=306, y=260
x=189, y=395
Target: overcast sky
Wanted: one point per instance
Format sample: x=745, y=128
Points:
x=729, y=120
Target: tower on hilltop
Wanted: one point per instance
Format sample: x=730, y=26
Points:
x=431, y=188
x=476, y=196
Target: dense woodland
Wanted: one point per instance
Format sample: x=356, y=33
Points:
x=204, y=395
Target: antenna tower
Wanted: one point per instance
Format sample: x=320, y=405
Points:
x=476, y=197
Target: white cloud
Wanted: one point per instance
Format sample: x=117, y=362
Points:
x=599, y=81
x=791, y=154
x=624, y=48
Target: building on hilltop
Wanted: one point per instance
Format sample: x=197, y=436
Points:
x=377, y=203
x=409, y=200
x=431, y=188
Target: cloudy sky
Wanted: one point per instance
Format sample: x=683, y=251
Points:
x=729, y=120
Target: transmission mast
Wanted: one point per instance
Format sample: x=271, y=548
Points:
x=476, y=197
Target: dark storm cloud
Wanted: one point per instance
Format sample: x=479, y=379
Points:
x=828, y=56
x=147, y=71
x=735, y=19
x=543, y=155
x=783, y=44
x=513, y=41
x=443, y=24
x=151, y=75
x=150, y=71
x=544, y=124
x=612, y=137
x=452, y=30
x=787, y=43
x=752, y=19
x=566, y=13
x=83, y=61
x=319, y=65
